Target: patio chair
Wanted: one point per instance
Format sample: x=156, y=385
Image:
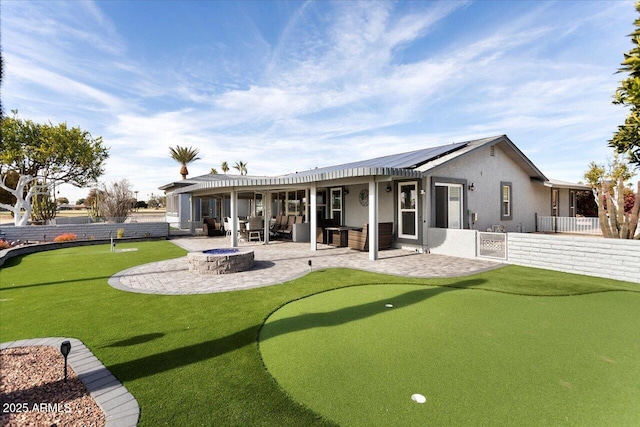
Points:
x=255, y=228
x=242, y=229
x=282, y=225
x=275, y=227
x=289, y=229
x=227, y=225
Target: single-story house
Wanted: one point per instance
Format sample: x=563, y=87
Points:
x=476, y=184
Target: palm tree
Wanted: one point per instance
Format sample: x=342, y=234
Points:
x=225, y=167
x=213, y=171
x=241, y=166
x=184, y=156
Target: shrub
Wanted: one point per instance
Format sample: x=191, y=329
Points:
x=120, y=233
x=66, y=237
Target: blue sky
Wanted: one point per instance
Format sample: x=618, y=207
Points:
x=288, y=86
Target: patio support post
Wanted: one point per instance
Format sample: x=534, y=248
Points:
x=373, y=219
x=192, y=215
x=266, y=215
x=233, y=219
x=306, y=208
x=313, y=218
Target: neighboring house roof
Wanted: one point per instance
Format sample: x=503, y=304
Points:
x=556, y=183
x=206, y=178
x=412, y=164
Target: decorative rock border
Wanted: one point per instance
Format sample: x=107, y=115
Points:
x=119, y=406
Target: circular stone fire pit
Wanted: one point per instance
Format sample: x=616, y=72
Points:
x=220, y=261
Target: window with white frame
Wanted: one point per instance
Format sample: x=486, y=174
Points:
x=448, y=205
x=172, y=204
x=408, y=210
x=555, y=207
x=506, y=203
x=572, y=203
x=336, y=204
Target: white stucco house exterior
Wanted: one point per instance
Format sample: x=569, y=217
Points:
x=475, y=184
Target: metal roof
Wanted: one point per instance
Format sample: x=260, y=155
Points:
x=412, y=164
x=295, y=179
x=408, y=160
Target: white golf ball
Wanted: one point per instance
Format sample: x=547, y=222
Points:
x=418, y=398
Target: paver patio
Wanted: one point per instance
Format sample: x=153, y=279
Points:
x=279, y=262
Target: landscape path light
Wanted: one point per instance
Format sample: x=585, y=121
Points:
x=65, y=349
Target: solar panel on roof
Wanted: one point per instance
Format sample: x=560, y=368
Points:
x=408, y=160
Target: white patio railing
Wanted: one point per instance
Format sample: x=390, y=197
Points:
x=562, y=224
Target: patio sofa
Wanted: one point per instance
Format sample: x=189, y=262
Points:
x=359, y=240
x=211, y=227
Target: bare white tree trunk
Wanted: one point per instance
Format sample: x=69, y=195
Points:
x=23, y=203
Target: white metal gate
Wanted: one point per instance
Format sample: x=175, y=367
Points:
x=492, y=245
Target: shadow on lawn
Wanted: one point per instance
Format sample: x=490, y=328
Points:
x=176, y=358
x=139, y=339
x=58, y=282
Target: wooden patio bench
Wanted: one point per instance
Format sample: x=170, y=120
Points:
x=359, y=240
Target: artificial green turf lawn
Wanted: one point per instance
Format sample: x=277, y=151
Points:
x=480, y=358
x=193, y=359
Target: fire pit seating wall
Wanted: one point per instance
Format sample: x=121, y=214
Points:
x=220, y=261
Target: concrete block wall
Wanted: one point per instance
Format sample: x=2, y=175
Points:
x=84, y=231
x=599, y=257
x=452, y=242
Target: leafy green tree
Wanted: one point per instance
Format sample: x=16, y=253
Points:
x=10, y=179
x=213, y=171
x=224, y=167
x=43, y=155
x=62, y=200
x=184, y=156
x=585, y=204
x=627, y=138
x=241, y=167
x=80, y=201
x=141, y=204
x=156, y=202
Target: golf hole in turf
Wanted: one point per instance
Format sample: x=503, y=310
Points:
x=418, y=398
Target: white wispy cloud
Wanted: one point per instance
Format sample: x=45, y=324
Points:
x=344, y=81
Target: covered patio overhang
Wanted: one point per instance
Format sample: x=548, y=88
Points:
x=309, y=182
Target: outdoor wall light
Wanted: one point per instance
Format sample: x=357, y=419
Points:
x=65, y=349
x=471, y=187
x=346, y=190
x=388, y=188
